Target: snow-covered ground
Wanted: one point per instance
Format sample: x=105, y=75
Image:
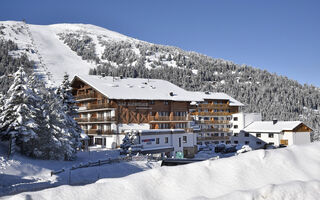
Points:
x=288, y=173
x=21, y=173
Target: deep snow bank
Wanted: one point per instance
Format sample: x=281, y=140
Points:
x=290, y=173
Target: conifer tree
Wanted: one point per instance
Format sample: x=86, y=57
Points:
x=18, y=113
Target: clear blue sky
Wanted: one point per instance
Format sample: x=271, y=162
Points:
x=279, y=36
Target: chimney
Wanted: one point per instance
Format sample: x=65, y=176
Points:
x=103, y=74
x=274, y=121
x=171, y=94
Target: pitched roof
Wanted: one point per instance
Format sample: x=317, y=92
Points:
x=219, y=96
x=148, y=89
x=138, y=88
x=268, y=126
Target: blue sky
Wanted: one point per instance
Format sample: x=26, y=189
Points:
x=279, y=36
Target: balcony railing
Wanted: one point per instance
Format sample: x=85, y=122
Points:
x=98, y=106
x=207, y=130
x=212, y=121
x=85, y=96
x=99, y=132
x=169, y=118
x=213, y=138
x=211, y=105
x=95, y=119
x=211, y=113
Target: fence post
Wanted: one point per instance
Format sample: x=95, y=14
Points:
x=69, y=179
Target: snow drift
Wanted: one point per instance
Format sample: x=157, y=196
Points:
x=289, y=173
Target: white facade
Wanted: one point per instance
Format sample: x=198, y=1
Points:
x=257, y=134
x=238, y=122
x=166, y=140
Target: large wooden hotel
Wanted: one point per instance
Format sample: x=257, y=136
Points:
x=111, y=106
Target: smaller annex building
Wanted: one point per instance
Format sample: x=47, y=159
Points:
x=167, y=141
x=276, y=133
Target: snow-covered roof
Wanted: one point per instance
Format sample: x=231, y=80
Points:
x=268, y=126
x=219, y=96
x=138, y=88
x=148, y=89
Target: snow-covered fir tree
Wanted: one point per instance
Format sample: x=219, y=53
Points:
x=38, y=119
x=70, y=109
x=19, y=112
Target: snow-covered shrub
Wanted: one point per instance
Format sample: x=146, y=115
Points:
x=129, y=143
x=244, y=149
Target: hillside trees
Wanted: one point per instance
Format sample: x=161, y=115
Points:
x=37, y=119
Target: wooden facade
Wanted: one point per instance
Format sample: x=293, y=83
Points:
x=213, y=116
x=99, y=115
x=96, y=110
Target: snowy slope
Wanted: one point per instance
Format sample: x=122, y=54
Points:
x=41, y=43
x=289, y=173
x=21, y=173
x=56, y=56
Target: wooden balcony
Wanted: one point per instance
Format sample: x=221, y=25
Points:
x=213, y=138
x=99, y=132
x=85, y=96
x=209, y=130
x=95, y=119
x=213, y=106
x=92, y=106
x=212, y=121
x=211, y=113
x=169, y=118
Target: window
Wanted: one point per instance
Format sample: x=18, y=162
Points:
x=228, y=142
x=258, y=135
x=222, y=134
x=216, y=134
x=246, y=134
x=179, y=142
x=166, y=140
x=151, y=102
x=157, y=140
x=98, y=141
x=184, y=139
x=222, y=142
x=271, y=143
x=166, y=102
x=235, y=119
x=258, y=142
x=246, y=142
x=270, y=135
x=236, y=142
x=235, y=126
x=163, y=125
x=236, y=134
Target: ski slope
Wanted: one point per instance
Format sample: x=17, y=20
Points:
x=289, y=173
x=53, y=58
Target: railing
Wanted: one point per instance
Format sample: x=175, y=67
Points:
x=213, y=130
x=213, y=138
x=99, y=132
x=98, y=106
x=169, y=118
x=95, y=119
x=212, y=113
x=84, y=96
x=211, y=105
x=212, y=121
